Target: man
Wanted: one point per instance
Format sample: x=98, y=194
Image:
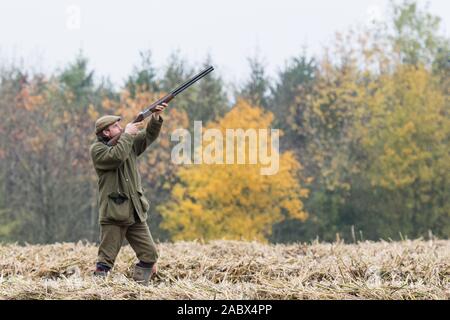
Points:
x=122, y=204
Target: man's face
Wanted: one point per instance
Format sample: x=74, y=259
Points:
x=113, y=130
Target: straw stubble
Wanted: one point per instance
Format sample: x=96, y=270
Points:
x=411, y=269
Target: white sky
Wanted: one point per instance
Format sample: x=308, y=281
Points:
x=46, y=34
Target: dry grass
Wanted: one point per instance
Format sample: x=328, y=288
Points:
x=234, y=270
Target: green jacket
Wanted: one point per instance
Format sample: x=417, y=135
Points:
x=119, y=182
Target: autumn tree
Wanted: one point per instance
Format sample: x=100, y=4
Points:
x=234, y=201
x=407, y=139
x=414, y=33
x=48, y=127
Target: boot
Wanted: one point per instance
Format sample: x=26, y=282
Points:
x=101, y=270
x=142, y=275
x=100, y=273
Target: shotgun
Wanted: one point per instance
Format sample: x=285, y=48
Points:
x=166, y=99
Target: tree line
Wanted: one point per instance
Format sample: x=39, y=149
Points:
x=364, y=151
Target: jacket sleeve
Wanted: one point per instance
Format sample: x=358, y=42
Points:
x=144, y=138
x=110, y=158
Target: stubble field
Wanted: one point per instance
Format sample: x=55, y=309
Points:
x=412, y=269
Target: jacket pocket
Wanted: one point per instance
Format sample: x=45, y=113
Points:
x=118, y=206
x=144, y=202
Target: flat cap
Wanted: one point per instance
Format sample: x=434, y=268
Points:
x=103, y=122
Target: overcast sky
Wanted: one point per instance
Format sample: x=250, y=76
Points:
x=47, y=34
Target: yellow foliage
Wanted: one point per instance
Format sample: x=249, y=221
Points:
x=234, y=201
x=93, y=114
x=406, y=139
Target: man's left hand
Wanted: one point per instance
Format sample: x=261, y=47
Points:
x=158, y=110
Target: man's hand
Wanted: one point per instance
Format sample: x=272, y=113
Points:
x=133, y=128
x=158, y=110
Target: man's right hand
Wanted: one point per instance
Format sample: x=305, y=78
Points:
x=133, y=128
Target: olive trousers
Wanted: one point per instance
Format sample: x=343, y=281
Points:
x=138, y=236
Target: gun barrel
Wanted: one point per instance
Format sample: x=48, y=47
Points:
x=191, y=81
